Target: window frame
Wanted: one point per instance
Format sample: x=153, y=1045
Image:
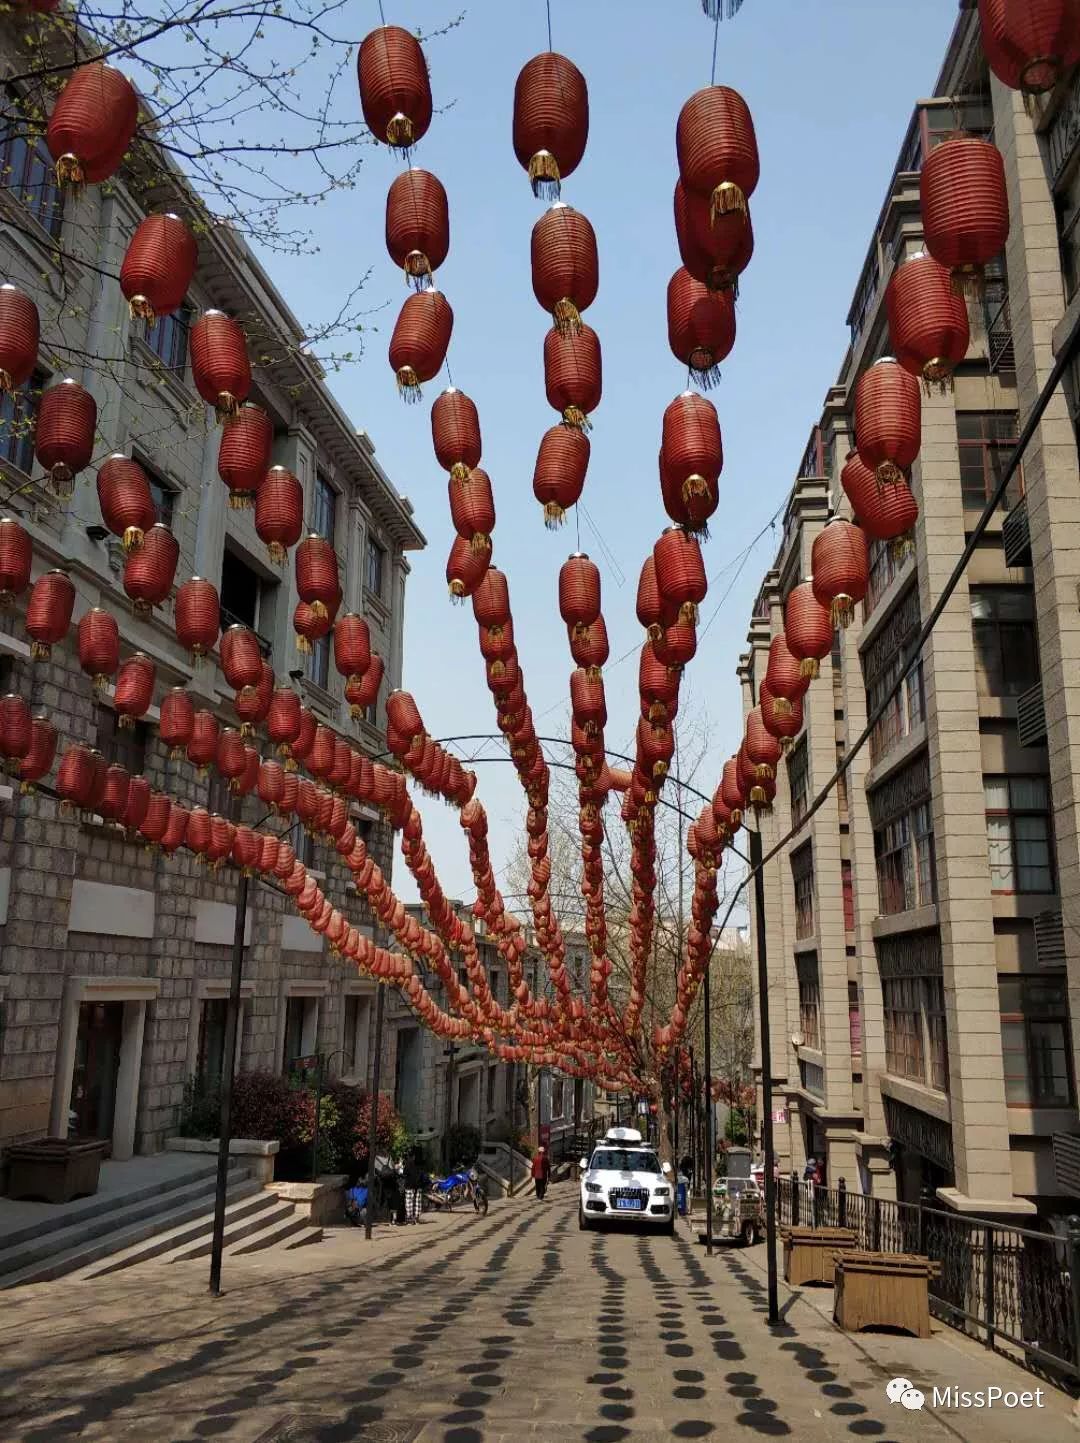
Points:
x=1010, y=814
x=121, y=746
x=169, y=337
x=17, y=446
x=317, y=663
x=904, y=851
x=47, y=207
x=324, y=508
x=989, y=444
x=808, y=978
x=995, y=629
x=1053, y=1014
x=798, y=771
x=375, y=559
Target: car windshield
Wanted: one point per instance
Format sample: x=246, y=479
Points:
x=625, y=1159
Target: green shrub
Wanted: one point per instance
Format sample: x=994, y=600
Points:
x=463, y=1144
x=200, y=1112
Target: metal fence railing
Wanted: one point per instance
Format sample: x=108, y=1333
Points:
x=1002, y=1285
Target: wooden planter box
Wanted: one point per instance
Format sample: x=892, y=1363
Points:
x=809, y=1253
x=54, y=1170
x=883, y=1290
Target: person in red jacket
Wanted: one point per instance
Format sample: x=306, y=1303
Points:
x=540, y=1170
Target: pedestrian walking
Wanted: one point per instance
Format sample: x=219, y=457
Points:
x=540, y=1171
x=413, y=1179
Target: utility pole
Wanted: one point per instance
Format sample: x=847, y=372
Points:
x=232, y=1025
x=708, y=1111
x=766, y=1072
x=373, y=1127
x=450, y=1053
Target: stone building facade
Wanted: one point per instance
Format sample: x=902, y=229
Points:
x=921, y=929
x=114, y=961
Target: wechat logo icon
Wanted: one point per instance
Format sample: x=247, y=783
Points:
x=904, y=1391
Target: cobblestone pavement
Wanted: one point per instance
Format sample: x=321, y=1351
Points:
x=465, y=1330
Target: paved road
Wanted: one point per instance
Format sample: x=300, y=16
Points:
x=514, y=1327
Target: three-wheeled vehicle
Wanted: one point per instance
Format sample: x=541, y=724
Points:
x=738, y=1202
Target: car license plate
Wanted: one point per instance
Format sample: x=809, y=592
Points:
x=628, y=1204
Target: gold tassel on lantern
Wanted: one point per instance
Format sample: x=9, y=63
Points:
x=842, y=611
x=888, y=473
x=937, y=373
x=554, y=516
x=902, y=547
x=765, y=772
x=576, y=417
x=782, y=706
x=725, y=198
x=567, y=317
x=303, y=645
x=480, y=541
x=457, y=593
x=688, y=613
x=544, y=175
x=408, y=384
x=226, y=407
x=809, y=669
x=399, y=132
x=417, y=270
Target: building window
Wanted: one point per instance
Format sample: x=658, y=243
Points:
x=27, y=173
x=221, y=798
x=492, y=1072
x=854, y=1008
x=317, y=662
x=375, y=568
x=210, y=1058
x=799, y=782
x=848, y=896
x=302, y=843
x=241, y=591
x=937, y=1038
x=126, y=746
x=323, y=508
x=905, y=710
x=883, y=567
x=1006, y=646
x=168, y=339
x=809, y=1001
x=985, y=440
x=558, y=1097
x=355, y=1036
x=1035, y=1042
x=802, y=872
x=904, y=1055
x=301, y=1030
x=1018, y=831
x=18, y=413
x=904, y=855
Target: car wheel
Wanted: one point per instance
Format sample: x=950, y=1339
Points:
x=669, y=1226
x=583, y=1222
x=749, y=1234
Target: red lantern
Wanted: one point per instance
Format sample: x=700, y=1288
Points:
x=420, y=341
x=808, y=629
x=676, y=646
x=472, y=508
x=573, y=374
x=762, y=748
x=365, y=693
x=491, y=599
x=64, y=437
x=138, y=802
x=784, y=675
x=127, y=505
x=701, y=326
x=841, y=569
x=352, y=645
x=888, y=419
x=98, y=645
x=156, y=818
x=177, y=720
x=928, y=321
x=1030, y=44
x=252, y=703
x=19, y=334
x=134, y=688
x=587, y=702
x=175, y=833
x=16, y=730
x=310, y=626
x=158, y=266
x=197, y=616
x=417, y=225
x=279, y=512
x=283, y=719
x=680, y=572
x=92, y=124
x=715, y=249
x=271, y=784
x=230, y=754
x=395, y=93
x=965, y=207
x=465, y=568
x=219, y=362
x=691, y=459
x=37, y=762
x=76, y=776
x=658, y=686
x=113, y=803
x=247, y=850
x=241, y=657
x=199, y=831
x=16, y=558
x=717, y=148
x=559, y=475
x=455, y=433
x=202, y=747
x=551, y=121
x=652, y=610
x=48, y=612
x=589, y=646
x=579, y=592
x=884, y=513
x=150, y=571
x=781, y=717
x=565, y=265
x=305, y=737
x=244, y=453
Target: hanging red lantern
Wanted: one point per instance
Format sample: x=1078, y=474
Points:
x=16, y=730
x=279, y=512
x=271, y=784
x=717, y=148
x=352, y=645
x=48, y=612
x=701, y=326
x=715, y=250
x=559, y=474
x=176, y=721
x=465, y=568
x=658, y=686
x=655, y=748
x=565, y=265
x=573, y=374
x=230, y=759
x=395, y=92
x=127, y=505
x=653, y=611
x=137, y=805
x=841, y=569
x=676, y=646
x=92, y=124
x=247, y=850
x=76, y=776
x=365, y=693
x=241, y=657
x=134, y=688
x=37, y=763
x=156, y=817
x=455, y=433
x=305, y=737
x=175, y=833
x=219, y=362
x=965, y=207
x=491, y=599
x=417, y=225
x=19, y=334
x=283, y=719
x=691, y=459
x=244, y=453
x=762, y=748
x=113, y=803
x=203, y=743
x=149, y=572
x=98, y=645
x=321, y=758
x=928, y=321
x=589, y=646
x=579, y=592
x=884, y=513
x=680, y=572
x=587, y=701
x=808, y=629
x=252, y=703
x=420, y=341
x=472, y=508
x=782, y=718
x=784, y=675
x=1030, y=44
x=317, y=573
x=16, y=559
x=197, y=616
x=310, y=626
x=888, y=419
x=551, y=121
x=64, y=435
x=199, y=831
x=158, y=266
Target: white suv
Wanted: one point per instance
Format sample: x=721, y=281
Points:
x=625, y=1179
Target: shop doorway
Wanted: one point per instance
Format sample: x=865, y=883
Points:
x=97, y=1066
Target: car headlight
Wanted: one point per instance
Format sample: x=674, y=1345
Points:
x=593, y=1187
x=661, y=1192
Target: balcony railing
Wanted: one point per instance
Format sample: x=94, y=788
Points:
x=1016, y=535
x=999, y=339
x=1031, y=716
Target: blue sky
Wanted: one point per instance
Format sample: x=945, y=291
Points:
x=831, y=87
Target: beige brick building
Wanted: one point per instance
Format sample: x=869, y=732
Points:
x=114, y=962
x=923, y=929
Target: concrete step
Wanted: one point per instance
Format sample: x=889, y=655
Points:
x=67, y=1250
x=238, y=1230
x=246, y=1200
x=288, y=1232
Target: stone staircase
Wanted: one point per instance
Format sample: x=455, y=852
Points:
x=165, y=1221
